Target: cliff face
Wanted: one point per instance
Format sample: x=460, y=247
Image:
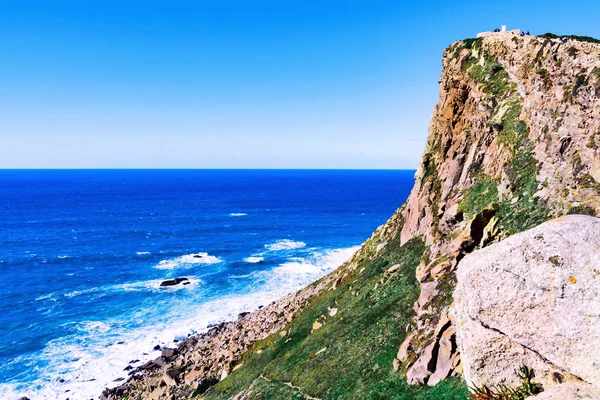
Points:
x=512, y=143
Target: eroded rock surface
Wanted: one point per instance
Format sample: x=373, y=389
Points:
x=533, y=299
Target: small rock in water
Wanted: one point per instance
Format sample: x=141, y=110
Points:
x=198, y=256
x=119, y=379
x=173, y=282
x=157, y=347
x=134, y=361
x=128, y=368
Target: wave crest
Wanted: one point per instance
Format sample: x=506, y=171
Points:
x=254, y=259
x=285, y=244
x=188, y=261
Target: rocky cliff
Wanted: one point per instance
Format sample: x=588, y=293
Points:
x=512, y=143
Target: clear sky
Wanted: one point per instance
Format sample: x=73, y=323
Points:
x=237, y=84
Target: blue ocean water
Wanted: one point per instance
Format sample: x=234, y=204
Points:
x=83, y=252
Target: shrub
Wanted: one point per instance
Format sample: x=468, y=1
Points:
x=502, y=392
x=574, y=37
x=580, y=82
x=582, y=210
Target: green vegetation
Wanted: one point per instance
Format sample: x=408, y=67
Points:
x=492, y=77
x=580, y=82
x=472, y=43
x=502, y=392
x=582, y=209
x=524, y=210
x=574, y=37
x=543, y=73
x=351, y=355
x=479, y=196
x=527, y=210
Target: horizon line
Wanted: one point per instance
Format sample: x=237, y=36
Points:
x=204, y=169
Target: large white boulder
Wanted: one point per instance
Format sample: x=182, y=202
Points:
x=532, y=299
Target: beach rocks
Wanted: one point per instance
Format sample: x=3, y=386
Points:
x=173, y=282
x=533, y=300
x=168, y=353
x=201, y=361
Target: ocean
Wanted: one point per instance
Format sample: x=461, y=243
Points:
x=83, y=254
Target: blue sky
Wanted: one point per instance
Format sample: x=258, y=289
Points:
x=237, y=84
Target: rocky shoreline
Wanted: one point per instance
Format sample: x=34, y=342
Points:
x=202, y=360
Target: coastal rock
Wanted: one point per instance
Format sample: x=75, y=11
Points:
x=532, y=299
x=168, y=353
x=173, y=282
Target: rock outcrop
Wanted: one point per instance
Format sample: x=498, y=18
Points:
x=532, y=299
x=174, y=282
x=513, y=142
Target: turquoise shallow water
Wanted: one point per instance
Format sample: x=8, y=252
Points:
x=83, y=252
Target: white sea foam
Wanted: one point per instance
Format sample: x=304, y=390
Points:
x=254, y=259
x=188, y=261
x=238, y=214
x=63, y=257
x=89, y=360
x=151, y=285
x=285, y=244
x=142, y=253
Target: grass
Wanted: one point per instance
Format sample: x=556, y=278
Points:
x=492, y=77
x=479, y=196
x=351, y=355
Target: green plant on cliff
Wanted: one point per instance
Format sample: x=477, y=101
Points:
x=524, y=210
x=503, y=392
x=492, y=77
x=351, y=354
x=574, y=37
x=479, y=196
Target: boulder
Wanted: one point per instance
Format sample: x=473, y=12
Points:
x=532, y=299
x=173, y=282
x=569, y=391
x=168, y=353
